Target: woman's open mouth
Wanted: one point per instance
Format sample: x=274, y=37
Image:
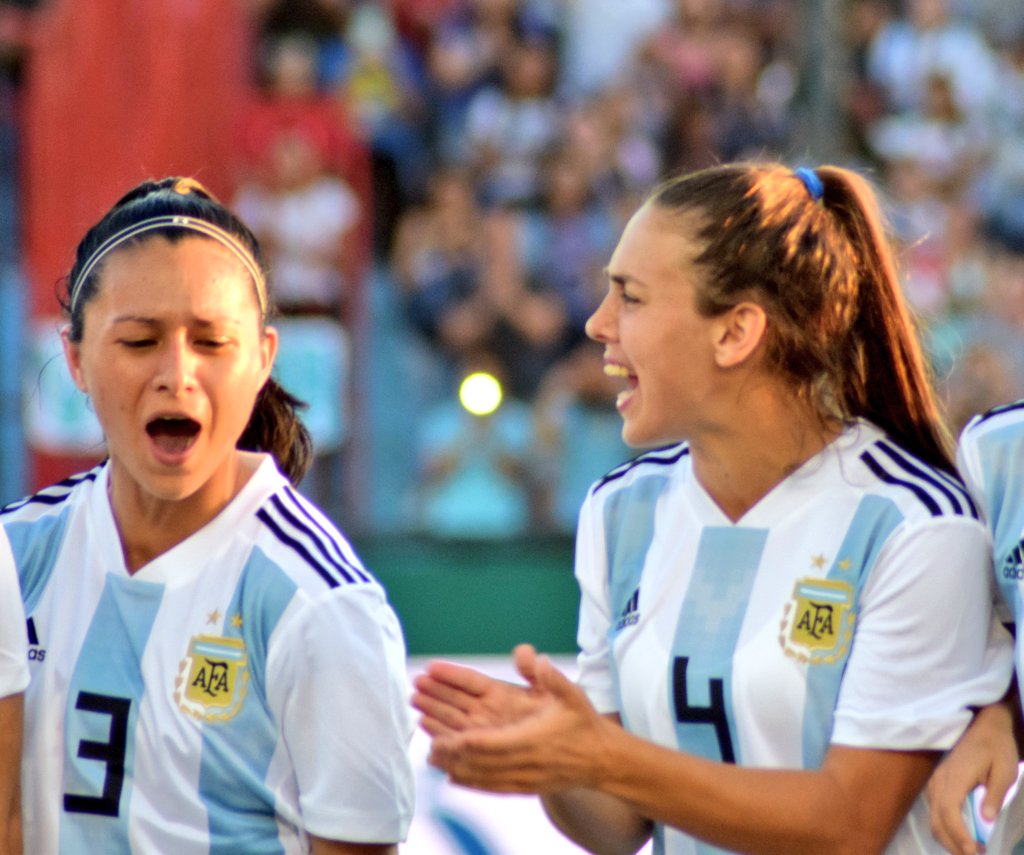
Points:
x=172, y=437
x=614, y=369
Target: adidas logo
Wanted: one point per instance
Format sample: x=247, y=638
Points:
x=631, y=613
x=36, y=653
x=1013, y=566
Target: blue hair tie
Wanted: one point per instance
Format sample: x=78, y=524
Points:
x=811, y=181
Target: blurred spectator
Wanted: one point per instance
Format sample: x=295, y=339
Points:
x=609, y=136
x=684, y=51
x=600, y=39
x=927, y=41
x=475, y=469
x=579, y=432
x=290, y=100
x=864, y=99
x=521, y=321
x=1001, y=186
x=305, y=217
x=464, y=56
x=567, y=240
x=379, y=80
x=750, y=109
x=438, y=253
x=920, y=218
x=511, y=125
x=317, y=20
x=937, y=135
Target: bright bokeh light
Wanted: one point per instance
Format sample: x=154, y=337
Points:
x=480, y=393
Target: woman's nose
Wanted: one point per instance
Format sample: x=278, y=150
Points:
x=177, y=369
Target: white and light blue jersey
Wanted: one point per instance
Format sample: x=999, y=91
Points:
x=13, y=654
x=991, y=459
x=240, y=692
x=851, y=605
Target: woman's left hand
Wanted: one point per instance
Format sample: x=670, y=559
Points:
x=554, y=744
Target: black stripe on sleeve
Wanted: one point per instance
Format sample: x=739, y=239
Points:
x=998, y=411
x=54, y=494
x=296, y=545
x=653, y=458
x=301, y=528
x=919, y=491
x=955, y=493
x=329, y=538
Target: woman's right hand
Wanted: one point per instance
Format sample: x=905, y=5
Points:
x=453, y=698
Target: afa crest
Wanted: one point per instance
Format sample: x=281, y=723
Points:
x=817, y=623
x=213, y=678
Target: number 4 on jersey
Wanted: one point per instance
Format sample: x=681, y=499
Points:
x=713, y=714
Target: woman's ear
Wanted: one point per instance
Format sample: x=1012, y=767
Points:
x=738, y=334
x=73, y=357
x=268, y=351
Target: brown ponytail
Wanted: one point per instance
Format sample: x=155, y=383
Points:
x=886, y=378
x=818, y=260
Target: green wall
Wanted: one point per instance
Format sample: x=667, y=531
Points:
x=475, y=598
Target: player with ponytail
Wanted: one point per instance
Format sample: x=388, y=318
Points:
x=214, y=668
x=785, y=614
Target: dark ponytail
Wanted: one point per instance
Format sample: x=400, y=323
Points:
x=275, y=427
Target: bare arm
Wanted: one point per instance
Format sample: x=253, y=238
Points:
x=340, y=847
x=986, y=755
x=10, y=771
x=552, y=742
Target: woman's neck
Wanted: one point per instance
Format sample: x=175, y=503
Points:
x=739, y=463
x=150, y=525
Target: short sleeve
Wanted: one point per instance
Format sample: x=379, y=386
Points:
x=927, y=645
x=13, y=639
x=969, y=466
x=595, y=675
x=338, y=686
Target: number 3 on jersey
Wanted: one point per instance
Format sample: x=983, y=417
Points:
x=111, y=753
x=713, y=714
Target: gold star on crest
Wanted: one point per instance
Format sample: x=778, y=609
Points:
x=845, y=564
x=818, y=561
x=236, y=620
x=213, y=617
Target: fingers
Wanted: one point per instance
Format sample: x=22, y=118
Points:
x=1000, y=779
x=439, y=716
x=525, y=658
x=945, y=801
x=489, y=762
x=459, y=677
x=442, y=693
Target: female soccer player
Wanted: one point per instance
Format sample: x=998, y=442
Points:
x=991, y=458
x=13, y=679
x=221, y=674
x=785, y=613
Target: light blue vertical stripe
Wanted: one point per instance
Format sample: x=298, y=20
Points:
x=709, y=625
x=629, y=526
x=1002, y=464
x=872, y=523
x=36, y=545
x=237, y=752
x=109, y=666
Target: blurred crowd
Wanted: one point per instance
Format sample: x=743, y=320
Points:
x=467, y=165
